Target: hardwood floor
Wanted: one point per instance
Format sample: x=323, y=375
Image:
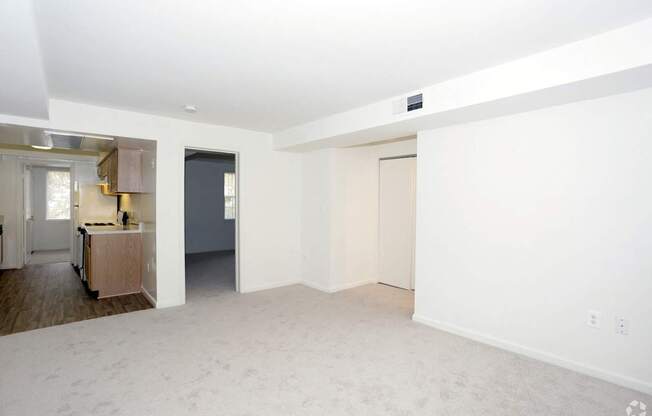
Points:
x=39, y=296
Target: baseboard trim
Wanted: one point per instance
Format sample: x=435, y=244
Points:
x=269, y=286
x=316, y=286
x=337, y=288
x=151, y=299
x=619, y=379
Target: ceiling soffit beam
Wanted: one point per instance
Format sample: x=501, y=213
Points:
x=610, y=63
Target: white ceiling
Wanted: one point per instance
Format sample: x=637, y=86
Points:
x=22, y=82
x=270, y=64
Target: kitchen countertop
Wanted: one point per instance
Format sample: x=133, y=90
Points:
x=112, y=229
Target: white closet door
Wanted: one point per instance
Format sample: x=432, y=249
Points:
x=397, y=221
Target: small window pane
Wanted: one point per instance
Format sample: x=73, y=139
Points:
x=58, y=195
x=229, y=196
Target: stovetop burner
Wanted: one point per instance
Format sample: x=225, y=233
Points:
x=98, y=224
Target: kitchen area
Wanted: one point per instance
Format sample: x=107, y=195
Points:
x=109, y=266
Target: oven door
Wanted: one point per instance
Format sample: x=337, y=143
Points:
x=81, y=236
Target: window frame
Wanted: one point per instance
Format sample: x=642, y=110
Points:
x=232, y=197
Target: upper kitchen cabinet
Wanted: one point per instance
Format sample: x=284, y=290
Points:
x=122, y=169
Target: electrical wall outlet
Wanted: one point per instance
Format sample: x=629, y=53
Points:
x=593, y=319
x=622, y=326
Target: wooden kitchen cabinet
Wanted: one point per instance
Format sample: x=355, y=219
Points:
x=102, y=169
x=88, y=267
x=113, y=263
x=122, y=169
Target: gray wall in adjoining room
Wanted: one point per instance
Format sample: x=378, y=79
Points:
x=206, y=228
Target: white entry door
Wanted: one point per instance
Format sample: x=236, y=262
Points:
x=397, y=221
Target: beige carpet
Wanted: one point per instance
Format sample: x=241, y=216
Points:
x=287, y=351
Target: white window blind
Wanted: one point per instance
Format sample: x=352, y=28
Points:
x=58, y=195
x=229, y=196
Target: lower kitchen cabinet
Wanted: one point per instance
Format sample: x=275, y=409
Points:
x=113, y=263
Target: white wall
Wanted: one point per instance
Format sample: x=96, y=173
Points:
x=46, y=234
x=316, y=218
x=340, y=214
x=270, y=191
x=524, y=223
x=147, y=216
x=206, y=228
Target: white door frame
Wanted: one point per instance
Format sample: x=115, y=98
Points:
x=238, y=283
x=26, y=254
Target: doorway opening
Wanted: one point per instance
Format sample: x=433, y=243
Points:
x=396, y=221
x=47, y=204
x=211, y=223
x=78, y=226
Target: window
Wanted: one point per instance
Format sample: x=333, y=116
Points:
x=229, y=195
x=58, y=195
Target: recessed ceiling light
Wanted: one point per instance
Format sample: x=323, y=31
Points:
x=192, y=109
x=41, y=147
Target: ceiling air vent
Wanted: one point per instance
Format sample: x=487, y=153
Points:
x=415, y=102
x=66, y=142
x=404, y=104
